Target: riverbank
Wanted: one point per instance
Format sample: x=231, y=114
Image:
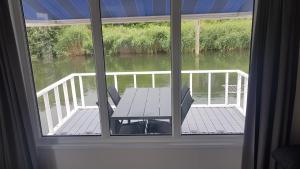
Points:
x=138, y=38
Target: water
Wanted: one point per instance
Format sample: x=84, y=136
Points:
x=46, y=73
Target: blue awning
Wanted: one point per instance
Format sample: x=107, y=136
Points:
x=39, y=10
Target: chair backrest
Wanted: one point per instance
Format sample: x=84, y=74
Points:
x=184, y=91
x=185, y=105
x=109, y=109
x=112, y=91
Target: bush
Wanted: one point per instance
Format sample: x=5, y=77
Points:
x=226, y=35
x=42, y=41
x=74, y=41
x=148, y=38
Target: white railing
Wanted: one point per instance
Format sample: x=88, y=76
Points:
x=239, y=88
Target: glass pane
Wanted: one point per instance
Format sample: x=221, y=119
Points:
x=60, y=44
x=136, y=36
x=215, y=59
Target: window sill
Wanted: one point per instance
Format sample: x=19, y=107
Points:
x=204, y=141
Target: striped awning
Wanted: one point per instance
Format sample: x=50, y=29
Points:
x=64, y=10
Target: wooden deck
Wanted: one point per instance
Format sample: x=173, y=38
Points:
x=204, y=120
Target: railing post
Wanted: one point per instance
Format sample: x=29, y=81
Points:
x=116, y=82
x=66, y=96
x=191, y=84
x=238, y=90
x=74, y=93
x=226, y=87
x=134, y=80
x=153, y=81
x=209, y=89
x=58, y=104
x=81, y=91
x=48, y=113
x=245, y=95
x=171, y=79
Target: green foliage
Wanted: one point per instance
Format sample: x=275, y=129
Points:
x=42, y=41
x=150, y=38
x=144, y=38
x=74, y=41
x=226, y=35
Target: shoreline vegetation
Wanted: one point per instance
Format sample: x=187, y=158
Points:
x=138, y=38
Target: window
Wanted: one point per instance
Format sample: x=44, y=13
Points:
x=128, y=60
x=138, y=63
x=215, y=63
x=63, y=67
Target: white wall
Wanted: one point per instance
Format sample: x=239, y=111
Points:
x=128, y=157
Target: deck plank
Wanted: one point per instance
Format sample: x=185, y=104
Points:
x=125, y=104
x=191, y=123
x=218, y=126
x=165, y=101
x=239, y=114
x=200, y=120
x=93, y=124
x=224, y=122
x=85, y=115
x=97, y=129
x=64, y=130
x=82, y=130
x=237, y=128
x=185, y=127
x=207, y=122
x=152, y=105
x=139, y=103
x=235, y=115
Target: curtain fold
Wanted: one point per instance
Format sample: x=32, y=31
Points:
x=17, y=148
x=272, y=81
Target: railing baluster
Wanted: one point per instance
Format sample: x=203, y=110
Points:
x=48, y=113
x=116, y=82
x=209, y=89
x=81, y=92
x=153, y=80
x=58, y=104
x=226, y=87
x=238, y=90
x=74, y=93
x=191, y=84
x=134, y=80
x=245, y=95
x=66, y=96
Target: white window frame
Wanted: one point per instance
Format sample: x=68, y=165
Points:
x=105, y=139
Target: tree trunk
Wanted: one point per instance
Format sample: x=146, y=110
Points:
x=197, y=37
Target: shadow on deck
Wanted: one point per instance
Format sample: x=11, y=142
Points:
x=200, y=120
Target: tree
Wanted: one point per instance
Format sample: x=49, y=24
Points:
x=42, y=41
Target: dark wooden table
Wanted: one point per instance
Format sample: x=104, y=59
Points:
x=144, y=103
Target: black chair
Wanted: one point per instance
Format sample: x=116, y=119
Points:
x=133, y=128
x=112, y=91
x=184, y=91
x=165, y=127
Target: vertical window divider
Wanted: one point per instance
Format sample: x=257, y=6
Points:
x=176, y=66
x=100, y=66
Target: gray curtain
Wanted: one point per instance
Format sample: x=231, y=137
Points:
x=17, y=148
x=272, y=81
